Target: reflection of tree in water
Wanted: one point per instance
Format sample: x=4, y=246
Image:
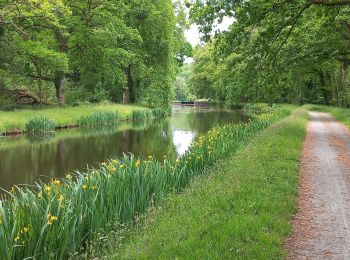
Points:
x=202, y=120
x=71, y=150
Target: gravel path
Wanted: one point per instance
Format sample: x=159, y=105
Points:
x=321, y=227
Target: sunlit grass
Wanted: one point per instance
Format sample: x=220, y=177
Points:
x=59, y=218
x=61, y=116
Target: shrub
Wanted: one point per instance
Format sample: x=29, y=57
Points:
x=258, y=108
x=40, y=125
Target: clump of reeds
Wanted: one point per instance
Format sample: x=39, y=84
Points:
x=99, y=118
x=40, y=125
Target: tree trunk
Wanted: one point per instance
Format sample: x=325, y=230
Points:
x=60, y=75
x=59, y=85
x=342, y=84
x=130, y=84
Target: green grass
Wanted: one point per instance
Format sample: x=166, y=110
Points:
x=57, y=219
x=61, y=116
x=240, y=210
x=341, y=114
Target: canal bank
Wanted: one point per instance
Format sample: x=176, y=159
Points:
x=90, y=206
x=240, y=209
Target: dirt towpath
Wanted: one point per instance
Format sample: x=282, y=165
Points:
x=321, y=227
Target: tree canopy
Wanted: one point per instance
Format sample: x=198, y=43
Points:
x=93, y=49
x=275, y=51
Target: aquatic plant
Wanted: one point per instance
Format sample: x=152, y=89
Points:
x=40, y=125
x=159, y=113
x=60, y=218
x=99, y=118
x=141, y=114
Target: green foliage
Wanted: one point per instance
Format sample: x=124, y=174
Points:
x=84, y=207
x=102, y=47
x=182, y=86
x=99, y=118
x=40, y=125
x=275, y=51
x=258, y=108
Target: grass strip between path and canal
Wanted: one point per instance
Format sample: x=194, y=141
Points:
x=60, y=218
x=240, y=209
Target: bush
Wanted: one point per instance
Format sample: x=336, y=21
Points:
x=258, y=108
x=40, y=125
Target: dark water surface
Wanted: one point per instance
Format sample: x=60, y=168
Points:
x=26, y=159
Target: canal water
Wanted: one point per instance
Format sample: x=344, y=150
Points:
x=26, y=159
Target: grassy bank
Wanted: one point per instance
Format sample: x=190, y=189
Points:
x=17, y=120
x=341, y=114
x=58, y=219
x=240, y=210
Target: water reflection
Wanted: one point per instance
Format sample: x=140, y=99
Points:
x=24, y=159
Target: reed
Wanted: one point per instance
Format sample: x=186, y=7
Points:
x=99, y=118
x=40, y=125
x=63, y=217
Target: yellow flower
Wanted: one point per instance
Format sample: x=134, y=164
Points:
x=61, y=198
x=16, y=238
x=40, y=194
x=69, y=177
x=137, y=164
x=150, y=157
x=114, y=161
x=104, y=164
x=93, y=187
x=47, y=188
x=25, y=230
x=51, y=219
x=121, y=166
x=56, y=182
x=85, y=186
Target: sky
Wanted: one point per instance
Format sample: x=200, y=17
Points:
x=193, y=36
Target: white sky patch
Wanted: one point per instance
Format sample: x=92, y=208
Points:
x=193, y=36
x=182, y=140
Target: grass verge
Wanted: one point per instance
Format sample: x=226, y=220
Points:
x=241, y=210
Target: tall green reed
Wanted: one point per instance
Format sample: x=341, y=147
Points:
x=60, y=218
x=40, y=125
x=99, y=118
